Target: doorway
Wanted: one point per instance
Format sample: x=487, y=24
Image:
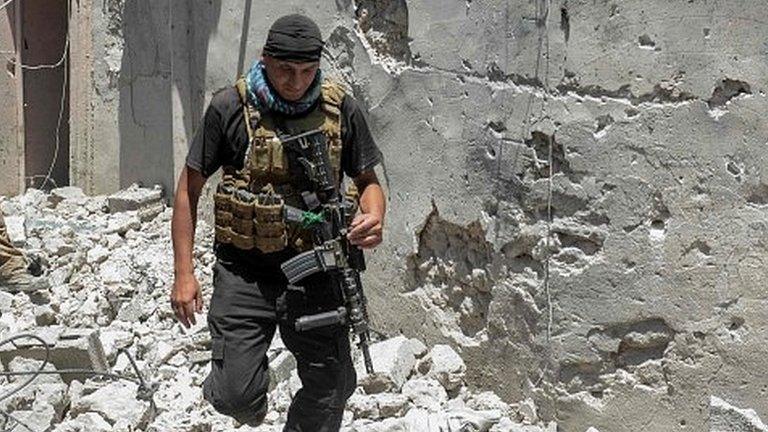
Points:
x=44, y=54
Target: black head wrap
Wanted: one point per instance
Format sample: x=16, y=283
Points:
x=294, y=38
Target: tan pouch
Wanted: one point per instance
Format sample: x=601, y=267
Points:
x=222, y=201
x=269, y=222
x=242, y=242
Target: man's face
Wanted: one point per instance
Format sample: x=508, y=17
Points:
x=291, y=80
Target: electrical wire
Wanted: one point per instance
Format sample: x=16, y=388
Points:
x=145, y=391
x=61, y=114
x=2, y=6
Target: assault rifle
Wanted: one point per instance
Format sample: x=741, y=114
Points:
x=333, y=254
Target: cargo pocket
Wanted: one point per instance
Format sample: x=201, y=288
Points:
x=217, y=349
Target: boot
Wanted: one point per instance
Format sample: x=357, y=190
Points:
x=14, y=277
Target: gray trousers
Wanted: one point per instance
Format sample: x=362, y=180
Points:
x=7, y=251
x=246, y=308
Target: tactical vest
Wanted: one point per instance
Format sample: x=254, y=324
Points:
x=249, y=203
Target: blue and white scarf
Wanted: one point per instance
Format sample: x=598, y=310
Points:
x=263, y=96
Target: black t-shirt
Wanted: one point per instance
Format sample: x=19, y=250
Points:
x=222, y=140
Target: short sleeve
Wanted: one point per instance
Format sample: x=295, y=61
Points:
x=208, y=144
x=360, y=152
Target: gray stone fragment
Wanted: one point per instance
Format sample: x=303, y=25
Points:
x=71, y=349
x=425, y=393
x=117, y=402
x=280, y=368
x=393, y=362
x=488, y=401
x=391, y=404
x=363, y=406
x=133, y=198
x=507, y=425
x=97, y=255
x=16, y=230
x=418, y=347
x=66, y=193
x=121, y=223
x=724, y=417
x=446, y=366
x=85, y=422
x=44, y=315
x=39, y=418
x=527, y=411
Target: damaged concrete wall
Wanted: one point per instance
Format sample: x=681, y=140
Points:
x=591, y=176
x=577, y=188
x=11, y=142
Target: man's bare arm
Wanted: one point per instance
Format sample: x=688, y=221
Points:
x=186, y=297
x=367, y=228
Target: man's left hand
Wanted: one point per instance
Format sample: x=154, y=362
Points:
x=366, y=230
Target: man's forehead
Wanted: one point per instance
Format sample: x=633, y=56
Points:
x=296, y=65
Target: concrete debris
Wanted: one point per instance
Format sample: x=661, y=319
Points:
x=394, y=362
x=117, y=402
x=445, y=365
x=110, y=271
x=134, y=198
x=724, y=417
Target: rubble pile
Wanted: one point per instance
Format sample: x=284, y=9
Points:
x=109, y=263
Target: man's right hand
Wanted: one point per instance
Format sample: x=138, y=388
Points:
x=186, y=299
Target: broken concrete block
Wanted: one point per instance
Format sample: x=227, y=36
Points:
x=44, y=315
x=116, y=401
x=121, y=223
x=280, y=368
x=507, y=425
x=418, y=348
x=97, y=255
x=391, y=404
x=393, y=362
x=39, y=418
x=58, y=246
x=425, y=393
x=134, y=198
x=363, y=406
x=86, y=422
x=66, y=193
x=385, y=425
x=480, y=421
x=150, y=211
x=445, y=365
x=72, y=349
x=15, y=226
x=527, y=412
x=488, y=401
x=54, y=395
x=724, y=417
x=113, y=340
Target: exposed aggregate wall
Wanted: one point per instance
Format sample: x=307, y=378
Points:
x=577, y=188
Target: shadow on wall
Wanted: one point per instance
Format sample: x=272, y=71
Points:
x=165, y=52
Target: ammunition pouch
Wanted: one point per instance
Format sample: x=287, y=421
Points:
x=242, y=219
x=269, y=222
x=222, y=201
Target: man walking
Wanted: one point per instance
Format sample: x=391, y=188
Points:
x=244, y=132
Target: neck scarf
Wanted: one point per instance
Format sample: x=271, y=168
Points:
x=264, y=97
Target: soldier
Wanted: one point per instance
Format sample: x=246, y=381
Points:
x=284, y=93
x=14, y=268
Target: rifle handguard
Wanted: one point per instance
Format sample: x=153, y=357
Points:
x=334, y=317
